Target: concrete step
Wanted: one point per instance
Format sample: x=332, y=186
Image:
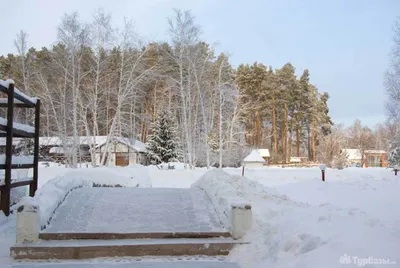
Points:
x=87, y=249
x=152, y=235
x=158, y=264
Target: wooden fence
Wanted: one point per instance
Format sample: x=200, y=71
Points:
x=10, y=129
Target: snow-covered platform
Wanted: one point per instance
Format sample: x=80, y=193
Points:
x=174, y=264
x=103, y=222
x=135, y=210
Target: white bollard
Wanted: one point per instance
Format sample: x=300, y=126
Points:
x=28, y=222
x=242, y=219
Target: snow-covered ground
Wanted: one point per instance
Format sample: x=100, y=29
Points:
x=299, y=221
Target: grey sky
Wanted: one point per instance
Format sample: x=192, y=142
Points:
x=344, y=43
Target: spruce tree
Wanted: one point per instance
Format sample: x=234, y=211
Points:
x=162, y=145
x=394, y=153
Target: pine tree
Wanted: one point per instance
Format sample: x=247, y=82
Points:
x=162, y=146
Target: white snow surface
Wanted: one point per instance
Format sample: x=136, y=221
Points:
x=221, y=193
x=299, y=221
x=19, y=126
x=53, y=193
x=128, y=210
x=313, y=223
x=17, y=160
x=254, y=157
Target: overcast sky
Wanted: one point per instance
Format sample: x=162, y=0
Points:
x=344, y=43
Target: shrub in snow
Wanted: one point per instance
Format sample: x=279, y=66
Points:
x=162, y=146
x=341, y=161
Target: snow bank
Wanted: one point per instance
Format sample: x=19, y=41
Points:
x=3, y=218
x=222, y=194
x=53, y=193
x=304, y=222
x=17, y=160
x=313, y=223
x=18, y=126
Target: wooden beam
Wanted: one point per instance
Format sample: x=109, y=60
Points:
x=5, y=193
x=16, y=95
x=16, y=184
x=16, y=105
x=17, y=166
x=17, y=133
x=34, y=185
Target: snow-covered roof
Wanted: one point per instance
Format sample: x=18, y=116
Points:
x=132, y=143
x=18, y=126
x=84, y=140
x=57, y=150
x=264, y=152
x=254, y=157
x=294, y=159
x=375, y=152
x=18, y=160
x=353, y=154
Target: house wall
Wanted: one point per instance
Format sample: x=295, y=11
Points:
x=253, y=164
x=134, y=156
x=376, y=160
x=354, y=162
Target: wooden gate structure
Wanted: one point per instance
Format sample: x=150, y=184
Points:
x=9, y=130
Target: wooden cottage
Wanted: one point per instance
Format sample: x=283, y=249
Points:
x=122, y=152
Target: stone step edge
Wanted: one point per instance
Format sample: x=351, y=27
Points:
x=88, y=249
x=148, y=235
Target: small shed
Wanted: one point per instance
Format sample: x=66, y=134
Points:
x=123, y=152
x=254, y=159
x=264, y=154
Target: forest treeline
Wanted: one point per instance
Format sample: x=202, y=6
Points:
x=97, y=80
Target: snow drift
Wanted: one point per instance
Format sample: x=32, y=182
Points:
x=354, y=213
x=53, y=193
x=222, y=194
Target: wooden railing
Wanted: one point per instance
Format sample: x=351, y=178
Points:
x=10, y=129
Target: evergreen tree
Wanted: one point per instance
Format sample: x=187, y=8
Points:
x=162, y=146
x=394, y=153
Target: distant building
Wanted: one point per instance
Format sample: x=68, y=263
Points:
x=295, y=160
x=123, y=152
x=375, y=158
x=353, y=156
x=264, y=153
x=254, y=159
x=371, y=158
x=58, y=149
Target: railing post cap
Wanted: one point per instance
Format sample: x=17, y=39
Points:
x=10, y=81
x=27, y=204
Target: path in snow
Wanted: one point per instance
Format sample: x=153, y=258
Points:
x=135, y=210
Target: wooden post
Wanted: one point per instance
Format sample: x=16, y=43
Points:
x=243, y=170
x=33, y=186
x=5, y=194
